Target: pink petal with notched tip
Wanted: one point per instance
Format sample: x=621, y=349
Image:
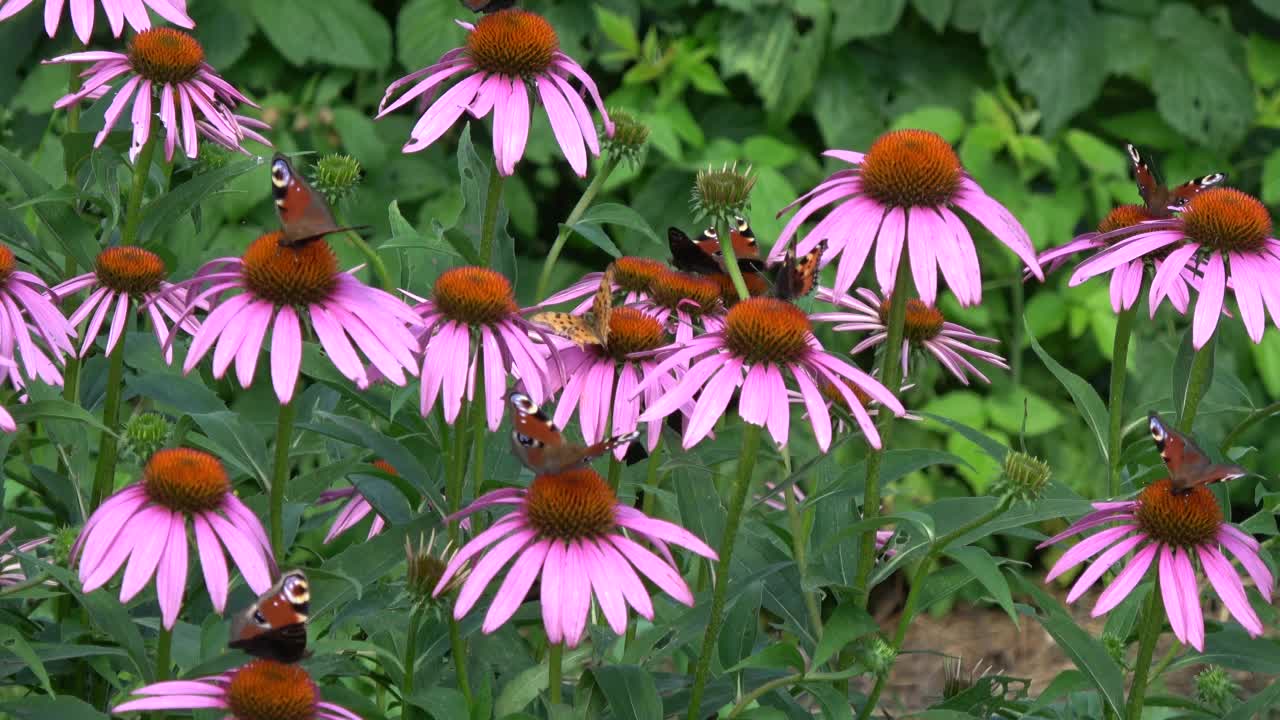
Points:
x=1209, y=306
x=116, y=108
x=212, y=328
x=488, y=567
x=246, y=553
x=632, y=588
x=1102, y=564
x=1228, y=586
x=123, y=545
x=564, y=125
x=443, y=113
x=659, y=572
x=1251, y=562
x=816, y=405
x=1247, y=284
x=920, y=231
x=605, y=587
x=1126, y=581
x=890, y=242
x=516, y=585
x=1193, y=617
x=999, y=222
x=712, y=402
x=1086, y=549
x=662, y=530
x=257, y=318
x=1171, y=593
x=778, y=404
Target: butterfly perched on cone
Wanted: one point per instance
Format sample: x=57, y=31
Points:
x=304, y=214
x=1188, y=465
x=704, y=256
x=592, y=329
x=275, y=625
x=542, y=447
x=796, y=277
x=1160, y=200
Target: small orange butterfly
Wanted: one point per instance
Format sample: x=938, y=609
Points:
x=592, y=329
x=796, y=277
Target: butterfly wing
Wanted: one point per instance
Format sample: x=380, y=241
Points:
x=304, y=214
x=796, y=277
x=1154, y=194
x=745, y=247
x=570, y=327
x=602, y=306
x=533, y=435
x=1188, y=465
x=689, y=256
x=1181, y=195
x=274, y=626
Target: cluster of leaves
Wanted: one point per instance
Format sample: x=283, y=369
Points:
x=1036, y=95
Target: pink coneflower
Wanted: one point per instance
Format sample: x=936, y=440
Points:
x=1223, y=235
x=146, y=524
x=687, y=301
x=600, y=381
x=355, y=508
x=834, y=395
x=281, y=285
x=30, y=321
x=899, y=196
x=1126, y=278
x=118, y=11
x=506, y=53
x=191, y=92
x=260, y=690
x=631, y=275
x=474, y=330
x=1173, y=526
x=925, y=329
x=125, y=279
x=10, y=567
x=568, y=528
x=763, y=336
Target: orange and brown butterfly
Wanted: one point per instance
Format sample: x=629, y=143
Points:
x=304, y=214
x=592, y=329
x=796, y=277
x=705, y=256
x=1160, y=200
x=1188, y=465
x=541, y=446
x=275, y=625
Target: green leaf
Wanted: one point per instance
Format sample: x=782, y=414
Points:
x=12, y=640
x=946, y=121
x=835, y=704
x=848, y=623
x=1182, y=363
x=987, y=572
x=1089, y=655
x=1082, y=394
x=935, y=12
x=361, y=435
x=1065, y=75
x=741, y=625
x=864, y=19
x=630, y=690
x=163, y=212
x=992, y=447
x=1271, y=178
x=183, y=394
x=1009, y=408
x=75, y=238
x=778, y=656
x=1258, y=705
x=475, y=192
x=1202, y=90
x=63, y=707
x=1270, y=7
x=343, y=33
x=441, y=703
x=1099, y=156
x=425, y=30
x=1233, y=648
x=57, y=408
x=615, y=214
x=619, y=30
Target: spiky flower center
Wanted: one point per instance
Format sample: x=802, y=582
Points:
x=911, y=168
x=571, y=505
x=923, y=322
x=633, y=273
x=832, y=393
x=767, y=330
x=129, y=270
x=186, y=480
x=298, y=275
x=270, y=690
x=631, y=330
x=693, y=294
x=723, y=193
x=755, y=282
x=1124, y=216
x=424, y=567
x=165, y=55
x=1227, y=220
x=474, y=295
x=513, y=42
x=1182, y=519
x=7, y=263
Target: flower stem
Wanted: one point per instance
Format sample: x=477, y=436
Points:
x=730, y=256
x=891, y=377
x=1254, y=418
x=374, y=260
x=280, y=474
x=1148, y=633
x=479, y=433
x=457, y=467
x=799, y=551
x=105, y=474
x=555, y=670
x=1115, y=403
x=490, y=221
x=1015, y=342
x=938, y=547
x=1198, y=382
x=73, y=85
x=459, y=649
x=584, y=202
x=741, y=489
x=164, y=663
x=141, y=169
x=652, y=479
x=409, y=711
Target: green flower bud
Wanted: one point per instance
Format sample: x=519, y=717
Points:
x=1214, y=687
x=336, y=176
x=63, y=540
x=214, y=157
x=1025, y=477
x=425, y=568
x=630, y=137
x=722, y=194
x=880, y=655
x=1114, y=646
x=145, y=433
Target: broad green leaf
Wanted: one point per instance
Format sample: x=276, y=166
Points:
x=992, y=447
x=615, y=214
x=361, y=435
x=1082, y=393
x=986, y=570
x=946, y=121
x=12, y=641
x=619, y=30
x=778, y=656
x=59, y=409
x=70, y=232
x=344, y=33
x=864, y=19
x=1064, y=683
x=475, y=174
x=935, y=12
x=595, y=235
x=1101, y=157
x=425, y=30
x=848, y=623
x=1202, y=90
x=741, y=624
x=1182, y=363
x=940, y=585
x=526, y=685
x=1233, y=648
x=1259, y=705
x=163, y=212
x=183, y=394
x=631, y=691
x=64, y=707
x=441, y=703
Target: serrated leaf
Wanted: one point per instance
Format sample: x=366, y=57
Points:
x=1086, y=399
x=163, y=212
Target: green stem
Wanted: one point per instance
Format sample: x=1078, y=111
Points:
x=1254, y=418
x=280, y=474
x=459, y=650
x=799, y=550
x=786, y=680
x=938, y=547
x=1198, y=382
x=652, y=479
x=741, y=489
x=407, y=710
x=374, y=260
x=584, y=202
x=105, y=474
x=164, y=652
x=555, y=671
x=180, y=430
x=891, y=377
x=1115, y=403
x=1148, y=634
x=73, y=85
x=1015, y=343
x=1167, y=660
x=490, y=222
x=730, y=256
x=478, y=435
x=615, y=472
x=457, y=465
x=141, y=169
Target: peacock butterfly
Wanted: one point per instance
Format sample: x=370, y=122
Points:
x=274, y=626
x=541, y=446
x=1160, y=200
x=304, y=214
x=1188, y=465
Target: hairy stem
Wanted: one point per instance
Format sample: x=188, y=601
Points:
x=799, y=551
x=280, y=475
x=1198, y=382
x=489, y=224
x=1148, y=634
x=1115, y=403
x=652, y=479
x=141, y=169
x=555, y=671
x=164, y=651
x=730, y=258
x=409, y=711
x=741, y=489
x=584, y=202
x=108, y=446
x=459, y=649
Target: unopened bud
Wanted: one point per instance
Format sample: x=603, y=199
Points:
x=1025, y=477
x=145, y=433
x=1215, y=687
x=630, y=137
x=337, y=176
x=722, y=194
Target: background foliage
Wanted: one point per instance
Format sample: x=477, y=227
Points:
x=1037, y=95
